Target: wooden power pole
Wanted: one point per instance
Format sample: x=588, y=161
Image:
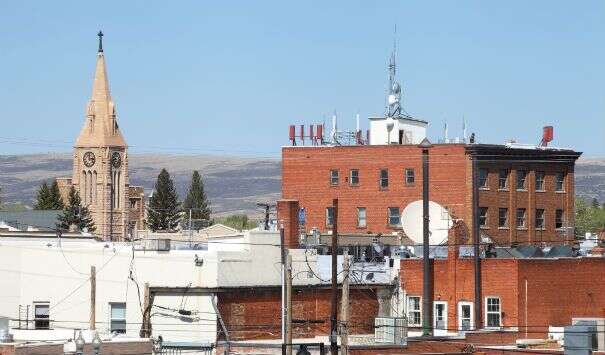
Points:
x=146, y=323
x=344, y=329
x=289, y=305
x=93, y=297
x=334, y=313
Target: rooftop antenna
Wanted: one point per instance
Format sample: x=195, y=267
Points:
x=445, y=133
x=357, y=129
x=463, y=129
x=334, y=129
x=394, y=91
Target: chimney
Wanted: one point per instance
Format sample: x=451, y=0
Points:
x=287, y=213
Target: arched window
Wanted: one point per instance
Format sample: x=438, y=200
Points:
x=83, y=186
x=94, y=186
x=89, y=188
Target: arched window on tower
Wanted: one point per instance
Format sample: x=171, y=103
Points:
x=83, y=185
x=118, y=186
x=94, y=187
x=89, y=189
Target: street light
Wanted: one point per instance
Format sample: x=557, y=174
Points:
x=96, y=343
x=79, y=344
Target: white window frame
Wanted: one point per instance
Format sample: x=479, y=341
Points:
x=408, y=311
x=441, y=330
x=351, y=177
x=383, y=181
x=394, y=216
x=111, y=319
x=365, y=217
x=472, y=320
x=486, y=313
x=328, y=223
x=36, y=319
x=334, y=177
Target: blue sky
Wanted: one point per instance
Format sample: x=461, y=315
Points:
x=229, y=77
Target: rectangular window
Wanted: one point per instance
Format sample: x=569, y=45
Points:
x=520, y=217
x=503, y=217
x=559, y=219
x=539, y=218
x=361, y=217
x=465, y=316
x=493, y=312
x=41, y=316
x=483, y=217
x=329, y=216
x=354, y=178
x=333, y=177
x=560, y=182
x=539, y=181
x=117, y=317
x=409, y=176
x=414, y=311
x=384, y=178
x=503, y=179
x=521, y=177
x=483, y=175
x=394, y=217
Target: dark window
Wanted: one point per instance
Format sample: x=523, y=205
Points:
x=354, y=180
x=394, y=217
x=559, y=219
x=482, y=217
x=41, y=316
x=483, y=174
x=493, y=312
x=117, y=317
x=539, y=181
x=333, y=177
x=409, y=176
x=384, y=178
x=329, y=216
x=539, y=218
x=503, y=217
x=520, y=217
x=560, y=181
x=503, y=179
x=521, y=177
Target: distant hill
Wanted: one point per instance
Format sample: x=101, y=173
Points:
x=234, y=185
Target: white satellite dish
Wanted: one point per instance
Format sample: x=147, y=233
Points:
x=440, y=222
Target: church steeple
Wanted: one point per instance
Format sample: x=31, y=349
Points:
x=101, y=127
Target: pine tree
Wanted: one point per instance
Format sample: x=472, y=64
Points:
x=196, y=200
x=595, y=203
x=75, y=214
x=55, y=200
x=43, y=198
x=163, y=212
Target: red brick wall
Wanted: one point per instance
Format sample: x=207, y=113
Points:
x=306, y=173
x=287, y=214
x=255, y=314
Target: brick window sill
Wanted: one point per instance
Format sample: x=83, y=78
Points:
x=560, y=192
x=483, y=227
x=503, y=228
x=540, y=190
x=521, y=229
x=521, y=190
x=484, y=188
x=541, y=229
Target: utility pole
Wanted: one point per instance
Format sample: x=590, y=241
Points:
x=283, y=283
x=146, y=323
x=334, y=315
x=289, y=305
x=267, y=208
x=426, y=262
x=344, y=329
x=190, y=231
x=93, y=297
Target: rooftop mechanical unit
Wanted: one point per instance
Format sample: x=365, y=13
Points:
x=391, y=330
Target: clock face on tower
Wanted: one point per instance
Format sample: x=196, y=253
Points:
x=116, y=160
x=89, y=159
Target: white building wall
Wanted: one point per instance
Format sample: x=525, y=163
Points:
x=379, y=134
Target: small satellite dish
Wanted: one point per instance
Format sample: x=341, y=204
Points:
x=440, y=222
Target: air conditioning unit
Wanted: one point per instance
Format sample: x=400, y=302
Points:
x=163, y=245
x=390, y=330
x=599, y=323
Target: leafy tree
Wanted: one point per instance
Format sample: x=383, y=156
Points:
x=163, y=211
x=43, y=198
x=75, y=214
x=589, y=218
x=238, y=221
x=196, y=199
x=56, y=202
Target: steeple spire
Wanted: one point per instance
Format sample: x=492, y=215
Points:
x=101, y=127
x=100, y=34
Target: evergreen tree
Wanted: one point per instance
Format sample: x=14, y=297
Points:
x=196, y=200
x=56, y=203
x=75, y=214
x=163, y=211
x=43, y=198
x=595, y=203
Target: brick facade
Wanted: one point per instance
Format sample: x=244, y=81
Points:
x=306, y=177
x=255, y=314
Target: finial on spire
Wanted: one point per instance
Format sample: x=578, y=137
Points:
x=100, y=34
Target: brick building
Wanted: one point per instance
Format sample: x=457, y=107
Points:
x=525, y=195
x=525, y=295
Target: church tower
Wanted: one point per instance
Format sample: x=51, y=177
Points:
x=100, y=169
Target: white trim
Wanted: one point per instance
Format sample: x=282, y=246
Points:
x=442, y=330
x=485, y=312
x=407, y=310
x=459, y=316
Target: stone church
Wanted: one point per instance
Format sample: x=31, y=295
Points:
x=100, y=166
